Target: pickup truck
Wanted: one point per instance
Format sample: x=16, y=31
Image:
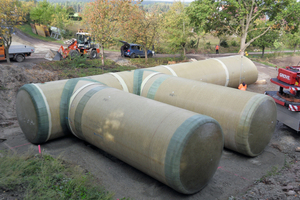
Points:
x=16, y=52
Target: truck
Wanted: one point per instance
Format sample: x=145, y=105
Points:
x=16, y=52
x=287, y=98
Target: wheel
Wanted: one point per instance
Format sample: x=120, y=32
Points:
x=132, y=55
x=19, y=58
x=150, y=55
x=73, y=54
x=93, y=54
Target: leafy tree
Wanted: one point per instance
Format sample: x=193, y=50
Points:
x=71, y=10
x=105, y=17
x=293, y=39
x=10, y=14
x=266, y=40
x=177, y=27
x=43, y=13
x=25, y=9
x=61, y=18
x=142, y=27
x=238, y=16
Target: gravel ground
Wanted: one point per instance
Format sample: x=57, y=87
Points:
x=272, y=175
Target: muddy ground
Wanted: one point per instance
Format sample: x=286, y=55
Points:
x=272, y=175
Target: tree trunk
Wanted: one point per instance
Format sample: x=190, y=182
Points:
x=146, y=56
x=295, y=48
x=102, y=53
x=243, y=45
x=263, y=51
x=7, y=54
x=198, y=43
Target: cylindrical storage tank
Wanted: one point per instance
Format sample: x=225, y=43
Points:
x=42, y=109
x=225, y=71
x=247, y=119
x=180, y=148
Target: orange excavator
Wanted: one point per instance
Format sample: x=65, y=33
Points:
x=83, y=45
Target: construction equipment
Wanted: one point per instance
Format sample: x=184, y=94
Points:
x=16, y=52
x=83, y=45
x=288, y=97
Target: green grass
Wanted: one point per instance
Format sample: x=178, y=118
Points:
x=45, y=177
x=274, y=171
x=267, y=59
x=82, y=66
x=26, y=28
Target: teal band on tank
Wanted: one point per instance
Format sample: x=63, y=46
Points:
x=41, y=112
x=80, y=107
x=65, y=100
x=175, y=149
x=155, y=85
x=138, y=79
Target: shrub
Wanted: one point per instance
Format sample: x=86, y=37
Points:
x=224, y=44
x=234, y=43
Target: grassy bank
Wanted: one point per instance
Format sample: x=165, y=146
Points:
x=26, y=28
x=45, y=177
x=271, y=57
x=82, y=66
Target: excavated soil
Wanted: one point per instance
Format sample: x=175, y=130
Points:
x=275, y=174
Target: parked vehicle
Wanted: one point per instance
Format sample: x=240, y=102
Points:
x=134, y=50
x=16, y=52
x=83, y=45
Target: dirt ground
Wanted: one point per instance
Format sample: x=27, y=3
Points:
x=272, y=175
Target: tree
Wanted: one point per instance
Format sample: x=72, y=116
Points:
x=42, y=13
x=9, y=17
x=25, y=9
x=293, y=39
x=105, y=17
x=266, y=40
x=177, y=29
x=61, y=18
x=238, y=16
x=142, y=27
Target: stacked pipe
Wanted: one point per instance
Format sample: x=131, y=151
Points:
x=46, y=116
x=180, y=148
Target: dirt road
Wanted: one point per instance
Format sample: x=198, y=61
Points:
x=235, y=175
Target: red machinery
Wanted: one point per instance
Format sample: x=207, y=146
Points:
x=288, y=96
x=82, y=45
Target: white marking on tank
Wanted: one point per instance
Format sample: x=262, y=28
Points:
x=226, y=71
x=72, y=105
x=122, y=82
x=147, y=79
x=171, y=70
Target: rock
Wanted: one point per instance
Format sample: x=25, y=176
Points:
x=287, y=188
x=261, y=82
x=297, y=149
x=276, y=146
x=291, y=193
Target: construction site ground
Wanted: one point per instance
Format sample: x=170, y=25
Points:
x=275, y=174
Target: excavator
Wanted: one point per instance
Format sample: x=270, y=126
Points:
x=82, y=45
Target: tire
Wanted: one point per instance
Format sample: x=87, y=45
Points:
x=19, y=58
x=73, y=54
x=150, y=55
x=132, y=55
x=93, y=54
